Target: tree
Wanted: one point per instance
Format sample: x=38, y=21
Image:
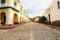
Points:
x=31, y=19
x=42, y=19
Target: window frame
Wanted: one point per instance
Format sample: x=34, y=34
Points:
x=15, y=4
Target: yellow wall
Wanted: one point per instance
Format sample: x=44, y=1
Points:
x=14, y=12
x=11, y=3
x=6, y=12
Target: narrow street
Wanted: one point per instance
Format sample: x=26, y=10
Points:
x=30, y=31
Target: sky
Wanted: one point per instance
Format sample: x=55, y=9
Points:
x=35, y=7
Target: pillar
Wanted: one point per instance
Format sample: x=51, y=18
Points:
x=9, y=18
x=19, y=17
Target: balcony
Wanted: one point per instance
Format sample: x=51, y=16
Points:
x=9, y=5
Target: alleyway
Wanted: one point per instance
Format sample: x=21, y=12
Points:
x=30, y=31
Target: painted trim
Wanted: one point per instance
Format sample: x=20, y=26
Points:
x=9, y=7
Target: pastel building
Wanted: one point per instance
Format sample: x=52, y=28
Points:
x=48, y=13
x=53, y=11
x=36, y=19
x=25, y=14
x=10, y=12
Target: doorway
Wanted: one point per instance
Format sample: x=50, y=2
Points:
x=3, y=18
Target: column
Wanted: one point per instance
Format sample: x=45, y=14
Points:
x=19, y=17
x=9, y=16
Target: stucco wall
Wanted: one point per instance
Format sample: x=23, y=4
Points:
x=53, y=11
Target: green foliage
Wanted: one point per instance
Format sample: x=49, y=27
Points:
x=31, y=19
x=42, y=19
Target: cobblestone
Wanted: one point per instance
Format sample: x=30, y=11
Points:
x=30, y=31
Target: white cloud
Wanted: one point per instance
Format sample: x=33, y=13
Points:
x=26, y=3
x=36, y=13
x=35, y=7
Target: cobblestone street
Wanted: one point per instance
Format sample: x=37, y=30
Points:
x=30, y=31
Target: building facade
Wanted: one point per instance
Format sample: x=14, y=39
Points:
x=10, y=12
x=25, y=14
x=53, y=11
x=48, y=13
x=36, y=19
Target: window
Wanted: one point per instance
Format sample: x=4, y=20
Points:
x=15, y=4
x=2, y=1
x=58, y=4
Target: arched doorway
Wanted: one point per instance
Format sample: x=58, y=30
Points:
x=3, y=18
x=15, y=19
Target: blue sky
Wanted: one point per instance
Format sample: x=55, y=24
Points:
x=35, y=7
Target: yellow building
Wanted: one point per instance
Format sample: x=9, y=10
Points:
x=53, y=11
x=25, y=14
x=10, y=12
